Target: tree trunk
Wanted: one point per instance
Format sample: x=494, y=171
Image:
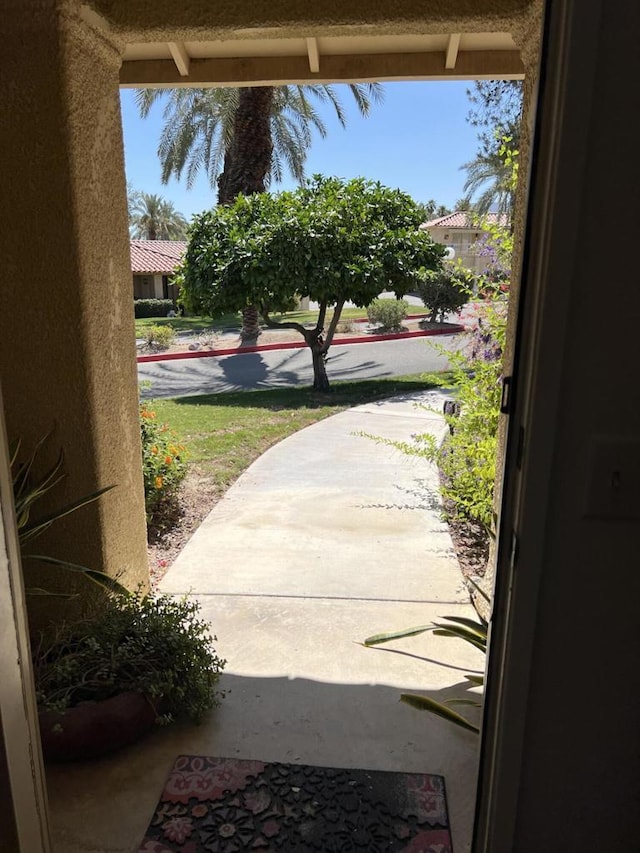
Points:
x=250, y=323
x=247, y=164
x=320, y=378
x=247, y=161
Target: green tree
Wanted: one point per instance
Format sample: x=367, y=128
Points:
x=200, y=126
x=496, y=110
x=432, y=210
x=244, y=138
x=497, y=113
x=152, y=217
x=463, y=203
x=329, y=240
x=492, y=175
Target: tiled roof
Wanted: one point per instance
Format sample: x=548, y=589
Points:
x=156, y=256
x=462, y=219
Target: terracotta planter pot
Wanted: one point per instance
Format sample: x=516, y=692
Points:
x=92, y=729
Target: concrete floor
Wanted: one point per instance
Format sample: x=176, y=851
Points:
x=328, y=538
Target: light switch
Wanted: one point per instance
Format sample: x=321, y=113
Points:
x=614, y=478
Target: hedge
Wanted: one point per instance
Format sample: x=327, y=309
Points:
x=152, y=307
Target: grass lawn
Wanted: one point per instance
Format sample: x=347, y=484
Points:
x=188, y=324
x=224, y=433
x=233, y=321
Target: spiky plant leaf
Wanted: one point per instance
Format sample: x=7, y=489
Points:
x=100, y=578
x=425, y=703
x=376, y=639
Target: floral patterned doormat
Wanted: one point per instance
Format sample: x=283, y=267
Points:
x=224, y=805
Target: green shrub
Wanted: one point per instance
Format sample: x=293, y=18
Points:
x=150, y=644
x=387, y=313
x=467, y=458
x=159, y=337
x=163, y=463
x=151, y=307
x=444, y=292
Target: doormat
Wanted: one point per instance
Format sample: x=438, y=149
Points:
x=224, y=805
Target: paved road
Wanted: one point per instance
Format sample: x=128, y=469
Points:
x=279, y=368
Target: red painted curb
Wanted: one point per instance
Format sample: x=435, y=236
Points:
x=454, y=329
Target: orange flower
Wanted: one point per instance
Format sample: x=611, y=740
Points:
x=168, y=460
x=158, y=482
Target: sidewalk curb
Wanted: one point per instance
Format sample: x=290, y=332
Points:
x=454, y=329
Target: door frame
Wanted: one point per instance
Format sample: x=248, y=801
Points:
x=566, y=83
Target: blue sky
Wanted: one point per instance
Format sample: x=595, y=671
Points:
x=416, y=140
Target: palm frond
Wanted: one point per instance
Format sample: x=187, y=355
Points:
x=199, y=126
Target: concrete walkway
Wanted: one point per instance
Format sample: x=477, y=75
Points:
x=327, y=538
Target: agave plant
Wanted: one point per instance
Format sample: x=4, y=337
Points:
x=28, y=489
x=473, y=631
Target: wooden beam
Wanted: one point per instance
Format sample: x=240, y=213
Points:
x=452, y=50
x=180, y=57
x=314, y=56
x=282, y=70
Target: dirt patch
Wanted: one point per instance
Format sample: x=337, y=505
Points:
x=470, y=542
x=196, y=498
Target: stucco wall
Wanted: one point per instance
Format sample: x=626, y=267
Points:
x=66, y=334
x=145, y=20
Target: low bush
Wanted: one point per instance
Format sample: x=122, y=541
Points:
x=151, y=307
x=387, y=313
x=159, y=337
x=467, y=458
x=163, y=463
x=155, y=645
x=444, y=292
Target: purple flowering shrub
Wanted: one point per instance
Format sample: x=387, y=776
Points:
x=467, y=459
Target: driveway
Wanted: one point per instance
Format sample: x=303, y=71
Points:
x=286, y=367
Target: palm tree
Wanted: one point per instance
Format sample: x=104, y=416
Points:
x=152, y=217
x=463, y=203
x=199, y=125
x=490, y=175
x=432, y=210
x=244, y=138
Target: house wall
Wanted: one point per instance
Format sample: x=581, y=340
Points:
x=143, y=287
x=158, y=289
x=462, y=240
x=67, y=351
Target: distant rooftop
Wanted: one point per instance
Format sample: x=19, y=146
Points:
x=156, y=256
x=464, y=219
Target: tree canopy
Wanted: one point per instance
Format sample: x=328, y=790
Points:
x=244, y=138
x=199, y=126
x=331, y=240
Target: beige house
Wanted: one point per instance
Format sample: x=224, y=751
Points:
x=558, y=753
x=153, y=263
x=460, y=233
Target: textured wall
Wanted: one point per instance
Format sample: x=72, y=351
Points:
x=164, y=20
x=67, y=335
